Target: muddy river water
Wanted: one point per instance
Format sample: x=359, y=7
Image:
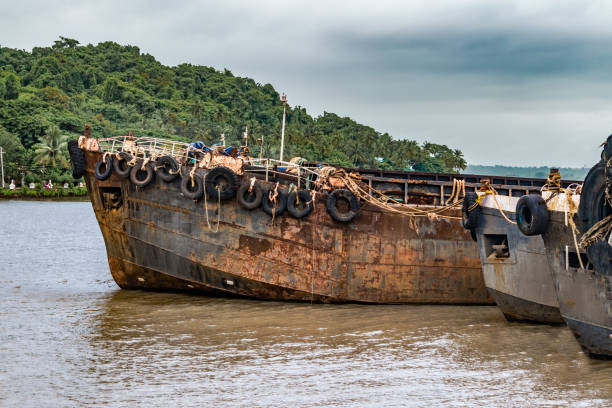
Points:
x=70, y=337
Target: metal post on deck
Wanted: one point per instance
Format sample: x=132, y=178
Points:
x=267, y=167
x=405, y=192
x=2, y=164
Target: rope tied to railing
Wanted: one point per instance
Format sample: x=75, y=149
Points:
x=313, y=195
x=144, y=163
x=252, y=180
x=553, y=181
x=104, y=156
x=292, y=188
x=382, y=201
x=191, y=175
x=272, y=196
x=572, y=210
x=458, y=191
x=487, y=189
x=178, y=171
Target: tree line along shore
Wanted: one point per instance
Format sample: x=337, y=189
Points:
x=49, y=93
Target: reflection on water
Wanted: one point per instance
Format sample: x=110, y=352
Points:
x=69, y=337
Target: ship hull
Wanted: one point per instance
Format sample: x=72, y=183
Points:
x=156, y=239
x=585, y=296
x=521, y=282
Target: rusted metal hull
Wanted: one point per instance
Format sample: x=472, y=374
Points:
x=157, y=239
x=520, y=281
x=585, y=295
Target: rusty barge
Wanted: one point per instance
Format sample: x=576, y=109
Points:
x=164, y=233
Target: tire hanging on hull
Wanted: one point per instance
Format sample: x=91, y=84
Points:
x=121, y=166
x=77, y=159
x=104, y=168
x=250, y=198
x=340, y=214
x=142, y=176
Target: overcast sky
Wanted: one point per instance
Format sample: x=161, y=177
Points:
x=507, y=82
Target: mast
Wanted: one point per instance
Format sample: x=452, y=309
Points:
x=284, y=100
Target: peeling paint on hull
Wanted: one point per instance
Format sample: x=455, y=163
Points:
x=156, y=239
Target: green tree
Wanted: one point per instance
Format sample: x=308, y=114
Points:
x=11, y=87
x=51, y=150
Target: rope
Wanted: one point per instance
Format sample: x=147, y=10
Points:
x=458, y=190
x=191, y=174
x=272, y=197
x=104, y=157
x=178, y=171
x=382, y=201
x=292, y=188
x=252, y=185
x=572, y=210
x=206, y=204
x=144, y=163
x=597, y=231
x=488, y=189
x=313, y=195
x=553, y=181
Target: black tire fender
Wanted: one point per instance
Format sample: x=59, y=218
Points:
x=281, y=202
x=338, y=214
x=225, y=179
x=470, y=211
x=104, y=169
x=167, y=168
x=532, y=216
x=142, y=177
x=250, y=200
x=192, y=190
x=299, y=203
x=593, y=206
x=120, y=164
x=77, y=159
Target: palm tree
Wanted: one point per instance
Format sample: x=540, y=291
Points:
x=51, y=150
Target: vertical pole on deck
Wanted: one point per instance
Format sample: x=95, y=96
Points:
x=2, y=164
x=405, y=192
x=284, y=100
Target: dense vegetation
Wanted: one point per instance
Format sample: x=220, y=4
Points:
x=117, y=88
x=577, y=174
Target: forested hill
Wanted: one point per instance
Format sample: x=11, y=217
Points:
x=117, y=88
x=577, y=174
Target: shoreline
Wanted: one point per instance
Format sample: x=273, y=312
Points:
x=30, y=198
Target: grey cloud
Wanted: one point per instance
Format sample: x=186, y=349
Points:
x=516, y=82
